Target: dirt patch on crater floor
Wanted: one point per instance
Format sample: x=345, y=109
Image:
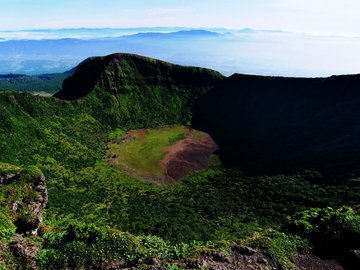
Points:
x=146, y=154
x=187, y=155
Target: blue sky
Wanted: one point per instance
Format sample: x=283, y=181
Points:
x=315, y=16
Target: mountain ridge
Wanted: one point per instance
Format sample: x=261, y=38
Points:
x=266, y=123
x=96, y=68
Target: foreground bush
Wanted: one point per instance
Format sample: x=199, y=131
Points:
x=332, y=232
x=89, y=246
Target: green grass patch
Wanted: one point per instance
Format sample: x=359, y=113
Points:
x=145, y=150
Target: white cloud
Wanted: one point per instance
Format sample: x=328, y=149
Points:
x=167, y=11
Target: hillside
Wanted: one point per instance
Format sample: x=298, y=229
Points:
x=143, y=91
x=278, y=125
x=101, y=216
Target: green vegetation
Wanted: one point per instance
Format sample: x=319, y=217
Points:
x=8, y=169
x=117, y=134
x=66, y=141
x=83, y=245
x=140, y=92
x=127, y=219
x=232, y=206
x=278, y=246
x=332, y=232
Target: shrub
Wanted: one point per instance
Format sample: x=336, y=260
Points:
x=283, y=247
x=332, y=232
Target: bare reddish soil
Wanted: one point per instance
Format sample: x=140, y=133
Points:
x=187, y=155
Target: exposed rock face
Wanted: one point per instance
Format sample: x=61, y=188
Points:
x=25, y=251
x=29, y=221
x=6, y=179
x=31, y=199
x=28, y=208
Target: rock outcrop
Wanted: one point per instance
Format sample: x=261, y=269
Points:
x=30, y=212
x=27, y=206
x=6, y=179
x=31, y=196
x=24, y=251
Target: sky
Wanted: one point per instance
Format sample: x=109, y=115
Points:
x=328, y=17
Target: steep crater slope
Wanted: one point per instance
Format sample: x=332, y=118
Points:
x=274, y=124
x=140, y=91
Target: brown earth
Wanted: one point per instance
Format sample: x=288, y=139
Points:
x=187, y=155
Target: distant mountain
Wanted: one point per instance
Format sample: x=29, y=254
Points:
x=263, y=52
x=82, y=33
x=50, y=55
x=179, y=34
x=247, y=31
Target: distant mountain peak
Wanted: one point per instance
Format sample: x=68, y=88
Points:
x=178, y=34
x=247, y=30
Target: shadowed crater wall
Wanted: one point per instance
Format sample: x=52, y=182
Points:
x=275, y=124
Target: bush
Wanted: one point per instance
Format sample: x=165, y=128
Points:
x=332, y=232
x=283, y=247
x=86, y=245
